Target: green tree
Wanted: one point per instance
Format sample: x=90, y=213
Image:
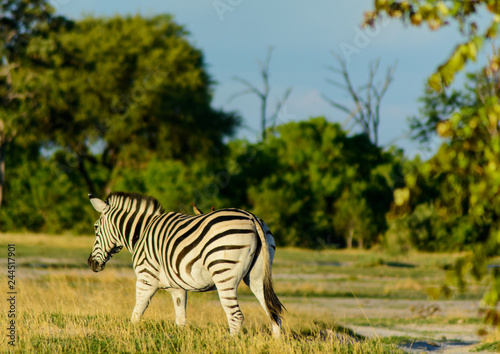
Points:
x=438, y=107
x=464, y=178
x=296, y=179
x=134, y=85
x=353, y=218
x=438, y=14
x=41, y=197
x=464, y=172
x=19, y=20
x=104, y=103
x=175, y=184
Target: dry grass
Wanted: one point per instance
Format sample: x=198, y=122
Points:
x=63, y=307
x=78, y=311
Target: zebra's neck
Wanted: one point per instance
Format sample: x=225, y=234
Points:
x=131, y=214
x=131, y=228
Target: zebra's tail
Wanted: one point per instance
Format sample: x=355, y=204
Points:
x=273, y=304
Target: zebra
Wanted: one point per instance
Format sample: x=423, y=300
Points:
x=180, y=253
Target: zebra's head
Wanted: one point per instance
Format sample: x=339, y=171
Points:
x=106, y=239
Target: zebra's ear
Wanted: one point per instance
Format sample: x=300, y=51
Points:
x=99, y=205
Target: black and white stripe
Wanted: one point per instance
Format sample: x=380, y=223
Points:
x=181, y=253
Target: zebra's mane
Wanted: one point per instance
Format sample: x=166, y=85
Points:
x=119, y=198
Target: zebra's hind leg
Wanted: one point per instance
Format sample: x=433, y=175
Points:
x=255, y=281
x=144, y=293
x=180, y=299
x=229, y=301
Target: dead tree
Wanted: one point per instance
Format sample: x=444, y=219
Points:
x=366, y=99
x=263, y=95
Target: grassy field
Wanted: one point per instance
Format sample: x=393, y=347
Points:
x=64, y=307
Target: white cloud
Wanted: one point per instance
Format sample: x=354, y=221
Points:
x=308, y=100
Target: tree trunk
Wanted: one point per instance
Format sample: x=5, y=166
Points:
x=3, y=135
x=350, y=237
x=3, y=143
x=263, y=119
x=85, y=175
x=360, y=243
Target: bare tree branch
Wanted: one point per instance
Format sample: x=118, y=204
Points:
x=337, y=84
x=367, y=98
x=379, y=95
x=279, y=106
x=250, y=89
x=263, y=94
x=238, y=94
x=337, y=105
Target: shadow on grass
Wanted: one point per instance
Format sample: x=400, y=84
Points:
x=332, y=264
x=326, y=330
x=400, y=265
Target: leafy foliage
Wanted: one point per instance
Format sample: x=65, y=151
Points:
x=41, y=196
x=463, y=177
x=175, y=184
x=438, y=14
x=141, y=92
x=19, y=21
x=311, y=183
x=299, y=179
x=438, y=107
x=101, y=97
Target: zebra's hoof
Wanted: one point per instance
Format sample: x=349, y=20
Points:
x=135, y=319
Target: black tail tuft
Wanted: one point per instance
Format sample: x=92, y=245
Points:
x=273, y=304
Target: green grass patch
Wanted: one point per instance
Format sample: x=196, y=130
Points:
x=493, y=347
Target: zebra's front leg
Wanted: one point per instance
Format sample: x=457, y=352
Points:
x=179, y=297
x=144, y=292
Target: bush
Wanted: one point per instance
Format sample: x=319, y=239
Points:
x=426, y=230
x=40, y=196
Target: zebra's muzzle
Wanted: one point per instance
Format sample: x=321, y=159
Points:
x=95, y=265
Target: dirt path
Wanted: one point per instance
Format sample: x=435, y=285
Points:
x=433, y=343
x=403, y=318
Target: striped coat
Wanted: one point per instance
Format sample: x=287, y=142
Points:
x=181, y=253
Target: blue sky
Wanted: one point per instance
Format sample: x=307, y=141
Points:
x=303, y=35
